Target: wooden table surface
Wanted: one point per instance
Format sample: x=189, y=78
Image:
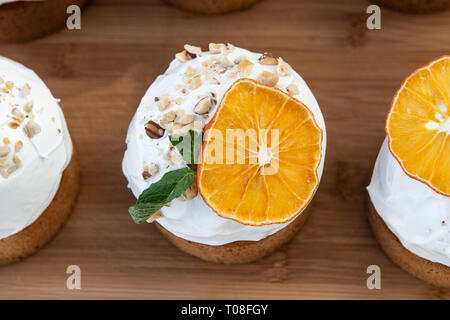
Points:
x=102, y=71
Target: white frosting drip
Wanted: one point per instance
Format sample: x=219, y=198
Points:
x=415, y=213
x=193, y=220
x=27, y=191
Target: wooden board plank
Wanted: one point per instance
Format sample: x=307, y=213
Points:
x=102, y=71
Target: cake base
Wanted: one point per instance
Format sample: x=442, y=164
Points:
x=239, y=251
x=24, y=20
x=416, y=6
x=26, y=242
x=431, y=272
x=212, y=6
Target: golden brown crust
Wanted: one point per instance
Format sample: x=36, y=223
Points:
x=23, y=20
x=240, y=251
x=431, y=272
x=28, y=241
x=212, y=6
x=416, y=6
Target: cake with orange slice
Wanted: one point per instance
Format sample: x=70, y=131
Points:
x=225, y=153
x=410, y=187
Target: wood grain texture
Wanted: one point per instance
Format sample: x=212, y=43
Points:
x=101, y=73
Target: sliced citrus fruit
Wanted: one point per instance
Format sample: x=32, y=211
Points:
x=418, y=125
x=275, y=146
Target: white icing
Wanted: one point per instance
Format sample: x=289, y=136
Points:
x=193, y=220
x=415, y=213
x=28, y=190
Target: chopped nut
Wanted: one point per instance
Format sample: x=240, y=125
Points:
x=245, y=67
x=164, y=102
x=176, y=158
x=26, y=90
x=150, y=171
x=4, y=173
x=173, y=157
x=6, y=140
x=185, y=119
x=153, y=168
x=268, y=59
x=192, y=50
x=178, y=100
x=268, y=78
x=17, y=115
x=204, y=105
x=13, y=125
x=154, y=216
x=230, y=47
x=284, y=69
x=210, y=62
x=153, y=130
x=1, y=80
x=220, y=69
x=216, y=47
x=146, y=175
x=231, y=74
x=9, y=84
x=168, y=117
x=241, y=58
x=178, y=128
x=225, y=62
x=4, y=162
x=18, y=146
x=195, y=82
x=12, y=169
x=191, y=192
x=292, y=89
x=16, y=160
x=4, y=151
x=214, y=81
x=28, y=107
x=192, y=78
x=183, y=56
x=31, y=128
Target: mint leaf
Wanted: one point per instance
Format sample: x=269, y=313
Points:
x=188, y=145
x=171, y=186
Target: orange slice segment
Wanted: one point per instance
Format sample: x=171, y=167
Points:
x=260, y=156
x=418, y=125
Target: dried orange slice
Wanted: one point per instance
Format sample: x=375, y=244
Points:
x=418, y=125
x=275, y=146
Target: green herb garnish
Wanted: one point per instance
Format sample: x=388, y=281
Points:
x=171, y=186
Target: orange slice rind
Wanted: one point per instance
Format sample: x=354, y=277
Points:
x=273, y=173
x=418, y=125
